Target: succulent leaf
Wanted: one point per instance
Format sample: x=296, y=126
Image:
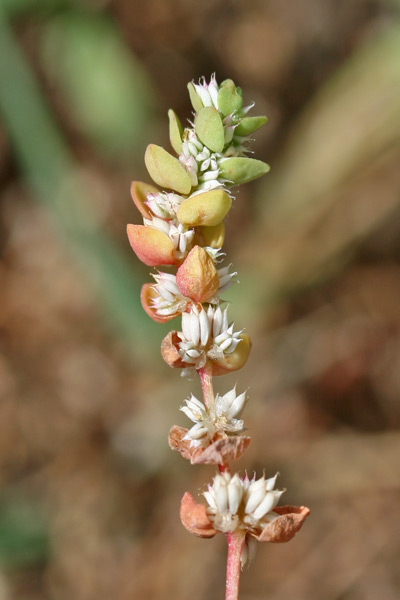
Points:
x=139, y=189
x=249, y=124
x=152, y=247
x=166, y=170
x=175, y=131
x=210, y=129
x=208, y=208
x=229, y=98
x=195, y=98
x=242, y=169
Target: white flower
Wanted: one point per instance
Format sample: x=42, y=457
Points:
x=203, y=428
x=259, y=500
x=219, y=418
x=224, y=497
x=200, y=163
x=164, y=204
x=206, y=334
x=169, y=299
x=181, y=236
x=227, y=409
x=208, y=92
x=234, y=502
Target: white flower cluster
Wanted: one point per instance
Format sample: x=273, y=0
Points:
x=202, y=164
x=181, y=236
x=206, y=334
x=164, y=204
x=221, y=417
x=169, y=299
x=235, y=503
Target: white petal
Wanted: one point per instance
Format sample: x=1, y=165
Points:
x=235, y=493
x=236, y=406
x=204, y=327
x=269, y=502
x=194, y=327
x=270, y=483
x=217, y=322
x=189, y=413
x=186, y=325
x=210, y=498
x=221, y=493
x=255, y=494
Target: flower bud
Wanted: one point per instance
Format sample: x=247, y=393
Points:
x=207, y=209
x=229, y=98
x=197, y=277
x=212, y=237
x=210, y=129
x=175, y=131
x=236, y=360
x=152, y=246
x=241, y=170
x=139, y=189
x=166, y=170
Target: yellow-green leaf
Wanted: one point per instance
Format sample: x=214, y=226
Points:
x=175, y=131
x=210, y=129
x=166, y=170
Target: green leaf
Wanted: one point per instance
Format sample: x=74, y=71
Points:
x=249, y=124
x=175, y=131
x=210, y=129
x=229, y=98
x=166, y=170
x=241, y=170
x=195, y=98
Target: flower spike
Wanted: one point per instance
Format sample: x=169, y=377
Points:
x=183, y=229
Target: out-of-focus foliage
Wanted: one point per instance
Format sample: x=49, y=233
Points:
x=103, y=86
x=89, y=489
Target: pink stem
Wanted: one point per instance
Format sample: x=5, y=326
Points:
x=205, y=374
x=235, y=545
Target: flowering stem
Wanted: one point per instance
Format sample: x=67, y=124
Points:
x=205, y=374
x=235, y=545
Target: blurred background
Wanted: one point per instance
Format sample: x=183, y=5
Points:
x=90, y=491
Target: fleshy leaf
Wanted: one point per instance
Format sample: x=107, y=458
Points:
x=197, y=277
x=249, y=124
x=175, y=131
x=241, y=170
x=210, y=129
x=152, y=246
x=139, y=189
x=229, y=98
x=210, y=236
x=195, y=98
x=236, y=360
x=166, y=170
x=208, y=208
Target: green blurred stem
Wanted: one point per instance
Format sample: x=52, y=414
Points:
x=52, y=174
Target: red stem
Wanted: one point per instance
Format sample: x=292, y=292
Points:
x=235, y=545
